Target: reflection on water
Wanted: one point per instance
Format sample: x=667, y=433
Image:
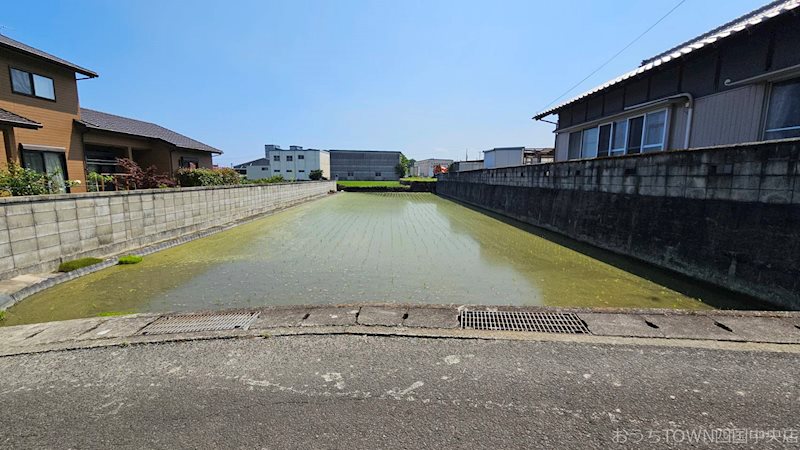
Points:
x=356, y=247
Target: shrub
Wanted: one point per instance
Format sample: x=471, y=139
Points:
x=130, y=259
x=134, y=177
x=315, y=175
x=207, y=177
x=16, y=180
x=272, y=179
x=2, y=315
x=97, y=182
x=69, y=266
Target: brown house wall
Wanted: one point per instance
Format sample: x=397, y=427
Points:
x=56, y=116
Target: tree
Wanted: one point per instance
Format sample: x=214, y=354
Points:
x=403, y=168
x=134, y=177
x=315, y=175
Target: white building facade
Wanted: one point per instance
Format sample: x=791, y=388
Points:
x=515, y=156
x=425, y=168
x=294, y=163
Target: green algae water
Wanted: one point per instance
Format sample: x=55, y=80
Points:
x=363, y=247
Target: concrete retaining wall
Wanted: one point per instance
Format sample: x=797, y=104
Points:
x=728, y=215
x=39, y=232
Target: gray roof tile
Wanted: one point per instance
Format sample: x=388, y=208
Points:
x=97, y=120
x=8, y=117
x=7, y=42
x=763, y=14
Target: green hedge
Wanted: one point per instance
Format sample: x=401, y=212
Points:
x=207, y=177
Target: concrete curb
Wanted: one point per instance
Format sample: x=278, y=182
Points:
x=761, y=331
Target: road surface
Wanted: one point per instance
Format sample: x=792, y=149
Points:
x=339, y=391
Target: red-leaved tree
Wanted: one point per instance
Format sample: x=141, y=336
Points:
x=134, y=177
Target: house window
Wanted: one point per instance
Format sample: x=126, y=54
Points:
x=655, y=128
x=783, y=113
x=27, y=83
x=604, y=140
x=289, y=158
x=276, y=157
x=51, y=163
x=189, y=163
x=589, y=143
x=574, y=151
x=619, y=132
x=635, y=127
x=301, y=156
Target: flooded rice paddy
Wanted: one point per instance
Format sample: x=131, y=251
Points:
x=363, y=247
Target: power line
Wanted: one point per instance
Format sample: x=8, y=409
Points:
x=615, y=54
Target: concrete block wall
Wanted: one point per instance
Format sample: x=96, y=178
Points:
x=726, y=215
x=39, y=232
x=759, y=172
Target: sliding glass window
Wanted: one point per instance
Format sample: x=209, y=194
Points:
x=783, y=114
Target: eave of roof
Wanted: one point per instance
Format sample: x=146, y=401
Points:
x=12, y=44
x=17, y=121
x=112, y=123
x=731, y=28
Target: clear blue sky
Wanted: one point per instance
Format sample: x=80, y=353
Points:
x=430, y=78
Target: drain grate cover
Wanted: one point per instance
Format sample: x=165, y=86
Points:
x=191, y=323
x=540, y=322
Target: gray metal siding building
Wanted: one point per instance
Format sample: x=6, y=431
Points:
x=735, y=84
x=364, y=165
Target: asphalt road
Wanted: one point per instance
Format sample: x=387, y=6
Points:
x=369, y=392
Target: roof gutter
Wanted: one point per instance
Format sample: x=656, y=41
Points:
x=775, y=75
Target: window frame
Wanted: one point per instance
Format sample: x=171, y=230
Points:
x=289, y=158
x=276, y=158
x=610, y=138
x=33, y=86
x=663, y=143
x=619, y=151
x=768, y=108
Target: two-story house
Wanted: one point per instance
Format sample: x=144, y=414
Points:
x=738, y=83
x=39, y=102
x=45, y=129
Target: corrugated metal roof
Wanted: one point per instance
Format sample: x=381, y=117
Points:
x=9, y=118
x=731, y=28
x=109, y=122
x=255, y=162
x=7, y=42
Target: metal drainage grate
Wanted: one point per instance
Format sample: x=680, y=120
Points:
x=522, y=321
x=191, y=323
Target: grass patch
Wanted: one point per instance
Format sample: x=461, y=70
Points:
x=2, y=316
x=130, y=259
x=69, y=266
x=353, y=183
x=420, y=179
x=114, y=313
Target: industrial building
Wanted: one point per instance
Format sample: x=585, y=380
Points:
x=364, y=165
x=294, y=163
x=427, y=167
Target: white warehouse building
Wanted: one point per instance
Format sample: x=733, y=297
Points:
x=294, y=163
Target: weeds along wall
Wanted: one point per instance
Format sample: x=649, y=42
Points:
x=726, y=215
x=39, y=232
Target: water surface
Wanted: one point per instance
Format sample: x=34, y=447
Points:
x=356, y=247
